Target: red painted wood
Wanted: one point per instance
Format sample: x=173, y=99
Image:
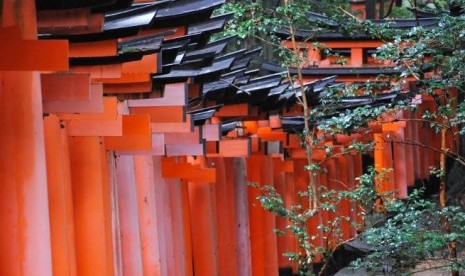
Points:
x=17, y=54
x=283, y=245
x=163, y=217
x=173, y=127
x=109, y=112
x=256, y=217
x=227, y=259
x=177, y=225
x=400, y=164
x=50, y=21
x=162, y=114
x=93, y=105
x=185, y=150
x=23, y=192
x=183, y=138
x=235, y=110
x=128, y=88
x=146, y=205
x=241, y=203
x=99, y=72
x=356, y=57
x=409, y=151
x=136, y=134
x=235, y=148
x=96, y=127
x=93, y=48
x=204, y=228
x=211, y=132
x=65, y=87
x=181, y=169
x=60, y=197
x=91, y=203
x=263, y=238
x=128, y=216
x=148, y=64
x=69, y=21
x=345, y=184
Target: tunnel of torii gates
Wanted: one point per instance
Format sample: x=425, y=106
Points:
x=125, y=150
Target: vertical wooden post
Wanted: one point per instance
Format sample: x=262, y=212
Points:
x=25, y=247
x=115, y=233
x=94, y=250
x=388, y=165
x=204, y=232
x=379, y=163
x=204, y=228
x=149, y=224
x=289, y=200
x=242, y=226
x=226, y=219
x=177, y=226
x=351, y=172
x=358, y=171
x=409, y=151
x=324, y=214
x=400, y=164
x=128, y=215
x=187, y=222
x=270, y=244
x=416, y=149
x=60, y=197
x=356, y=57
x=282, y=241
x=333, y=176
x=256, y=216
x=163, y=217
x=343, y=165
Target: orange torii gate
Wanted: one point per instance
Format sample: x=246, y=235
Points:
x=105, y=172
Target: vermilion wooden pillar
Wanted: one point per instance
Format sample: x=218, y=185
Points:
x=289, y=200
x=388, y=165
x=409, y=150
x=263, y=239
x=417, y=155
x=379, y=160
x=423, y=139
x=149, y=224
x=25, y=231
x=128, y=216
x=91, y=203
x=187, y=230
x=256, y=217
x=351, y=172
x=333, y=182
x=358, y=171
x=25, y=247
x=226, y=217
x=344, y=184
x=242, y=226
x=400, y=164
x=60, y=197
x=178, y=225
x=163, y=218
x=114, y=228
x=280, y=186
x=323, y=177
x=204, y=228
x=271, y=248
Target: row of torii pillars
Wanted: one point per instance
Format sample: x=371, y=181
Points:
x=119, y=214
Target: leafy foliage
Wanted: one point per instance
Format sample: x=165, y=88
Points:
x=433, y=58
x=413, y=231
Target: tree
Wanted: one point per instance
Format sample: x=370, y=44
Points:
x=434, y=57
